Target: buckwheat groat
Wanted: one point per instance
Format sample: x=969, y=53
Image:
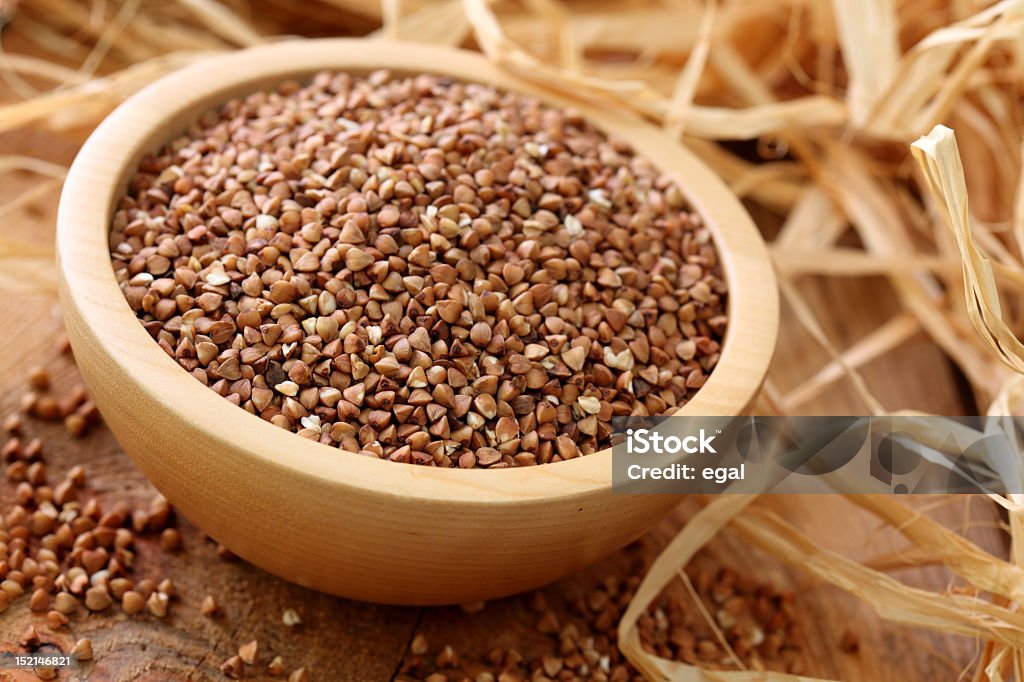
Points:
x=421, y=270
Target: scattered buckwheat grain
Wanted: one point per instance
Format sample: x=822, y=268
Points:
x=249, y=651
x=233, y=667
x=83, y=649
x=276, y=668
x=209, y=607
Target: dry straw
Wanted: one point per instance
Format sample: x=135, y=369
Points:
x=834, y=92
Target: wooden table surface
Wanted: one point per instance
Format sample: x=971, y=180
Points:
x=345, y=640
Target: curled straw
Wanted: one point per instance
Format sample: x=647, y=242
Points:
x=836, y=88
x=939, y=157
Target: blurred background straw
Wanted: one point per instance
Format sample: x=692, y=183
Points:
x=807, y=109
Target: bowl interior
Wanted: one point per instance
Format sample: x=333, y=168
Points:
x=151, y=117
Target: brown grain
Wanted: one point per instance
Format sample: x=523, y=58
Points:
x=233, y=667
x=132, y=602
x=64, y=551
x=209, y=607
x=276, y=667
x=83, y=649
x=249, y=652
x=480, y=267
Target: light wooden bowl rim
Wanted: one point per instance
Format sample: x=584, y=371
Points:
x=152, y=116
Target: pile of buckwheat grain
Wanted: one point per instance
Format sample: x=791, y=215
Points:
x=66, y=559
x=58, y=547
x=754, y=628
x=421, y=270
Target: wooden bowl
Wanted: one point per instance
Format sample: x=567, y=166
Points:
x=337, y=522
